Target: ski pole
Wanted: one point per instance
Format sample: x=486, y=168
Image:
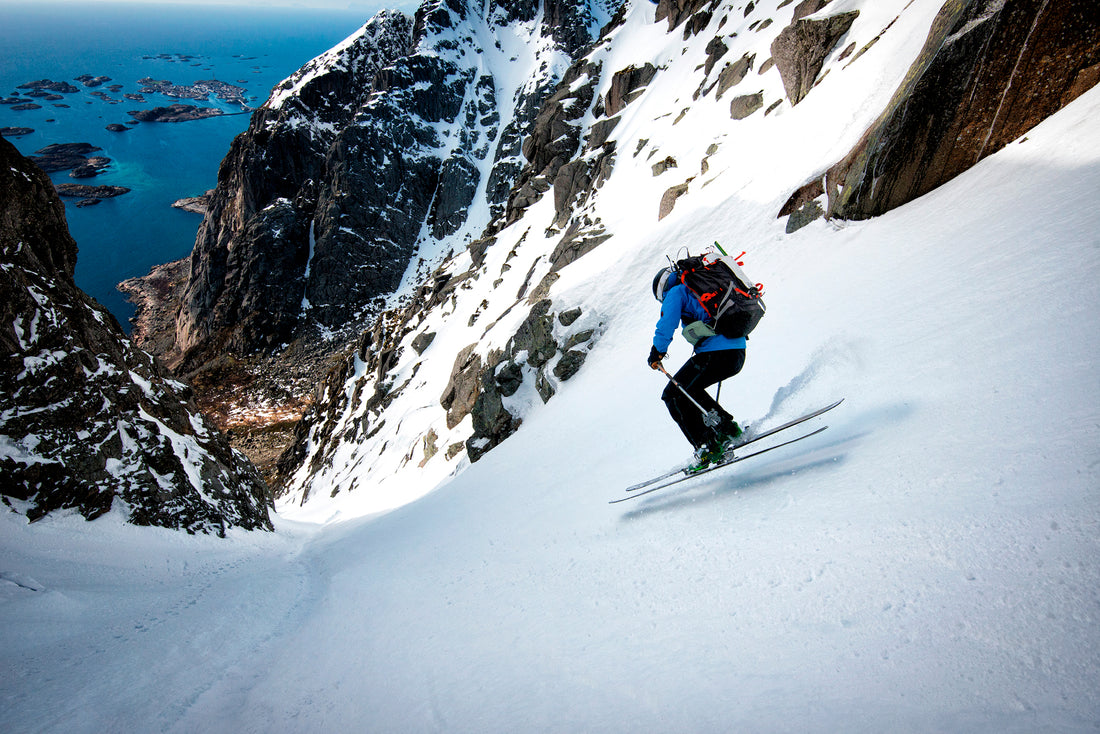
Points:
x=711, y=419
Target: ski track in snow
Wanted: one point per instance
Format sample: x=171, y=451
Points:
x=931, y=562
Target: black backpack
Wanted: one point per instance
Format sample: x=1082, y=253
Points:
x=727, y=294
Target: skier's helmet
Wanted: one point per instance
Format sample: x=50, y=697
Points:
x=661, y=283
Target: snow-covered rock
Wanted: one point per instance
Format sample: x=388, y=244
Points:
x=87, y=420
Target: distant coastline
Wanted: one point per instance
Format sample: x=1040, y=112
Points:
x=101, y=60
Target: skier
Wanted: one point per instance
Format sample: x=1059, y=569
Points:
x=715, y=358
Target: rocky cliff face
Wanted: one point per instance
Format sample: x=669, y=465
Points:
x=88, y=421
x=989, y=72
x=248, y=276
x=369, y=157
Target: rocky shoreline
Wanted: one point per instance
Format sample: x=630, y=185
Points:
x=257, y=401
x=195, y=204
x=156, y=299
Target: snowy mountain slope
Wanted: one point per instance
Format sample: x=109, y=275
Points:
x=402, y=442
x=929, y=563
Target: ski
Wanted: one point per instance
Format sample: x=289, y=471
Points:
x=754, y=439
x=720, y=465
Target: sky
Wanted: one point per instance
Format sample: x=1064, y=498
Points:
x=368, y=6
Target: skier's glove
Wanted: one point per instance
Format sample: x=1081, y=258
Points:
x=655, y=358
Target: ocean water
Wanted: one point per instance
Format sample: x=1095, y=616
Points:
x=251, y=47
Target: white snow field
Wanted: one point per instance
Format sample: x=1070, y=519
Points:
x=930, y=563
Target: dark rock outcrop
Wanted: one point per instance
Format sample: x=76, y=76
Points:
x=626, y=85
x=534, y=347
x=733, y=74
x=554, y=138
x=248, y=273
x=679, y=11
x=801, y=48
x=88, y=421
x=743, y=106
x=988, y=73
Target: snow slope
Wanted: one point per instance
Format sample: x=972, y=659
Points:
x=758, y=163
x=931, y=562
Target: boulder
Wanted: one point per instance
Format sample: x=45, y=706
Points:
x=422, y=341
x=734, y=73
x=535, y=336
x=743, y=106
x=808, y=7
x=569, y=364
x=715, y=49
x=678, y=11
x=799, y=218
x=492, y=423
x=663, y=165
x=668, y=200
x=801, y=48
x=626, y=85
x=464, y=386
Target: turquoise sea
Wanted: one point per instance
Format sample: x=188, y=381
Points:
x=252, y=47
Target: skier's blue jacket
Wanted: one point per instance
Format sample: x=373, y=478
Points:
x=680, y=305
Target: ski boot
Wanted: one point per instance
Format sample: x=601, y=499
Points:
x=717, y=450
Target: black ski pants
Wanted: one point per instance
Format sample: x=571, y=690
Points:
x=697, y=374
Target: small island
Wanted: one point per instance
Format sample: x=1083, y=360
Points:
x=65, y=156
x=46, y=85
x=200, y=90
x=92, y=167
x=175, y=113
x=92, y=81
x=90, y=192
